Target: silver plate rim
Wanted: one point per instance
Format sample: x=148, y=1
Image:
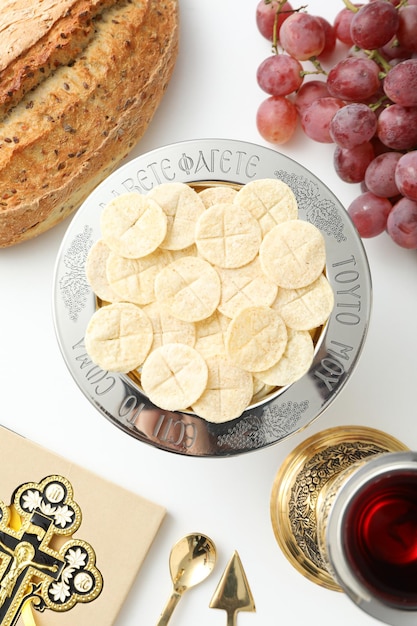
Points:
x=295, y=407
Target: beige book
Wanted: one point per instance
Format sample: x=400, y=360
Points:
x=118, y=524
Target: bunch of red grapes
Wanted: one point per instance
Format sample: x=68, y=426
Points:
x=365, y=104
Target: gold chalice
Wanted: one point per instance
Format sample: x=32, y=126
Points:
x=344, y=513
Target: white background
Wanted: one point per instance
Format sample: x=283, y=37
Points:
x=213, y=93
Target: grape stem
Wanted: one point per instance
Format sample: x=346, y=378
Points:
x=383, y=101
x=376, y=56
x=317, y=65
x=275, y=40
x=349, y=5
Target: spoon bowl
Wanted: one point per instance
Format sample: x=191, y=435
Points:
x=192, y=559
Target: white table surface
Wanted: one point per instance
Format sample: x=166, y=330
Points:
x=213, y=94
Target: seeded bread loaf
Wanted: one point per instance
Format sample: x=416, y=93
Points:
x=79, y=83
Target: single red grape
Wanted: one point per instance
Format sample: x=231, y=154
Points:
x=302, y=36
x=342, y=24
x=406, y=175
x=395, y=3
x=266, y=14
x=397, y=127
x=400, y=84
x=374, y=25
x=316, y=118
x=407, y=27
x=380, y=174
x=280, y=75
x=369, y=213
x=351, y=163
x=352, y=125
x=329, y=37
x=402, y=223
x=276, y=119
x=354, y=79
x=310, y=91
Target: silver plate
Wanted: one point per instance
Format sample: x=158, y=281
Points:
x=118, y=398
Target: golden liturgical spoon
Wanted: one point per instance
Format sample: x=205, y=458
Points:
x=191, y=560
x=233, y=593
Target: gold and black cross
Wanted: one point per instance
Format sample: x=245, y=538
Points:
x=37, y=566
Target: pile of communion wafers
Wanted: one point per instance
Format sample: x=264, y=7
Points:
x=212, y=298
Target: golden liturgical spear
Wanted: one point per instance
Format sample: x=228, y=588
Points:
x=233, y=593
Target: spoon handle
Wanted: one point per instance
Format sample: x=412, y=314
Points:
x=169, y=609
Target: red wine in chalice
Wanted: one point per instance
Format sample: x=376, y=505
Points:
x=344, y=512
x=380, y=538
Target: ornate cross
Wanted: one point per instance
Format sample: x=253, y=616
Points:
x=36, y=563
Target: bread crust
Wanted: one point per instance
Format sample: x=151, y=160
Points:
x=74, y=126
x=32, y=60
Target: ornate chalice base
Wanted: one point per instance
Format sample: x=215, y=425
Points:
x=299, y=486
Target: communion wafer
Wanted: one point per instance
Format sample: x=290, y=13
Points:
x=118, y=337
x=308, y=307
x=294, y=363
x=227, y=235
x=211, y=335
x=293, y=254
x=245, y=286
x=189, y=288
x=133, y=225
x=168, y=329
x=95, y=271
x=133, y=279
x=228, y=391
x=174, y=376
x=182, y=207
x=269, y=200
x=256, y=338
x=214, y=195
